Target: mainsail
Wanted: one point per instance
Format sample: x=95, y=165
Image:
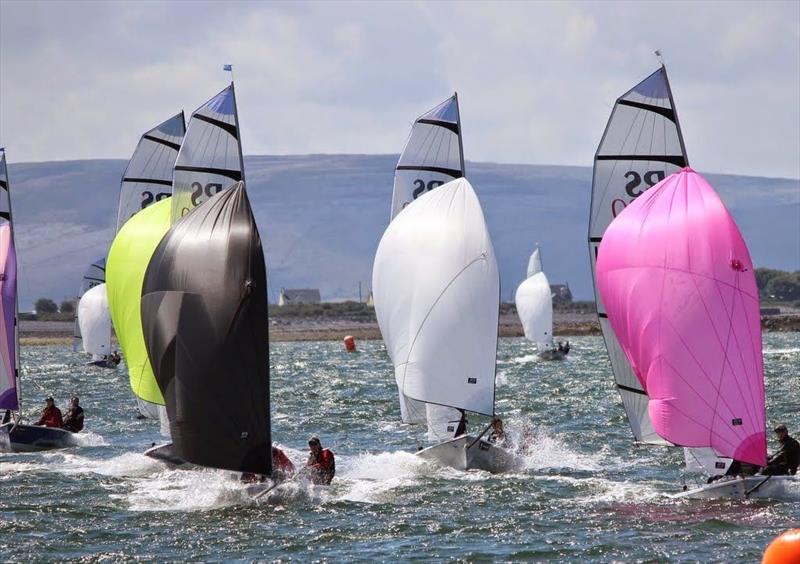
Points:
x=433, y=154
x=210, y=157
x=94, y=275
x=680, y=291
x=535, y=303
x=642, y=145
x=95, y=322
x=130, y=253
x=204, y=312
x=148, y=176
x=9, y=344
x=437, y=289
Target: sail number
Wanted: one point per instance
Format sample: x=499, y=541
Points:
x=422, y=186
x=198, y=191
x=148, y=197
x=634, y=187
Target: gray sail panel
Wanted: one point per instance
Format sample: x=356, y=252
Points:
x=204, y=316
x=148, y=176
x=432, y=156
x=210, y=158
x=642, y=144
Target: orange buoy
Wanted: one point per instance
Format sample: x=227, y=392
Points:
x=784, y=549
x=350, y=343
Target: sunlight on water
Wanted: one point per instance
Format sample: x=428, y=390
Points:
x=584, y=491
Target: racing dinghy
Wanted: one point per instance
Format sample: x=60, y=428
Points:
x=204, y=314
x=679, y=288
x=95, y=326
x=535, y=309
x=94, y=275
x=142, y=220
x=14, y=435
x=437, y=290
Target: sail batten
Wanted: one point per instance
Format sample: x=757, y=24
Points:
x=210, y=158
x=641, y=145
x=149, y=169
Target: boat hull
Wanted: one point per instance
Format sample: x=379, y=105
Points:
x=33, y=438
x=750, y=487
x=552, y=354
x=467, y=453
x=164, y=453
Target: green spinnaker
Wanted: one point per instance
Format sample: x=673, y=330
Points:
x=130, y=253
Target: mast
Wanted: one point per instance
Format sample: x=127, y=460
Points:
x=238, y=130
x=5, y=183
x=460, y=136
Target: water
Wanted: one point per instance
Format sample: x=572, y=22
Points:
x=586, y=493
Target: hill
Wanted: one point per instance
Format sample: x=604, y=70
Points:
x=321, y=217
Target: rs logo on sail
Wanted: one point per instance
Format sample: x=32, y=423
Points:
x=422, y=187
x=209, y=190
x=632, y=188
x=148, y=197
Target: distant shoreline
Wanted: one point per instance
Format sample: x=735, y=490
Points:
x=282, y=329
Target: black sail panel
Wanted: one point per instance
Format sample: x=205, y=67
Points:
x=204, y=315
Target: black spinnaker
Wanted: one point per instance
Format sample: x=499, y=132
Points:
x=204, y=315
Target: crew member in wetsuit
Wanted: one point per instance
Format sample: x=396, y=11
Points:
x=785, y=461
x=321, y=463
x=51, y=415
x=282, y=467
x=73, y=420
x=498, y=435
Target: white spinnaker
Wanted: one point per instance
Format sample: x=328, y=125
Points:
x=535, y=309
x=433, y=154
x=436, y=290
x=95, y=321
x=148, y=176
x=705, y=460
x=94, y=275
x=642, y=145
x=210, y=158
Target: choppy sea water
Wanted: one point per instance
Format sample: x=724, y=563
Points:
x=586, y=493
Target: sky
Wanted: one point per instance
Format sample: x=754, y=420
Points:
x=536, y=80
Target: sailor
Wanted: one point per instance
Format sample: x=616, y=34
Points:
x=321, y=463
x=564, y=348
x=786, y=460
x=6, y=417
x=73, y=420
x=498, y=435
x=51, y=415
x=462, y=425
x=113, y=359
x=281, y=464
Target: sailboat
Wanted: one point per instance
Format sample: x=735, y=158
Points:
x=534, y=303
x=95, y=325
x=94, y=275
x=641, y=145
x=204, y=312
x=679, y=289
x=144, y=215
x=436, y=290
x=204, y=305
x=14, y=435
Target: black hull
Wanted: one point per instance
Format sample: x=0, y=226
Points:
x=33, y=438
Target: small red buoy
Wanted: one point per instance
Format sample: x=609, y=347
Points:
x=784, y=549
x=350, y=343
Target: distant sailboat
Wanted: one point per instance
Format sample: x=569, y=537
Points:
x=94, y=275
x=204, y=310
x=437, y=290
x=680, y=292
x=14, y=435
x=143, y=218
x=95, y=323
x=534, y=302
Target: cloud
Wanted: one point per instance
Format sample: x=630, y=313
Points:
x=536, y=80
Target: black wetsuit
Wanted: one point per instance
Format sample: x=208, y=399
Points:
x=786, y=460
x=73, y=421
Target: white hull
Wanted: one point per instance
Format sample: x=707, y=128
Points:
x=465, y=453
x=751, y=487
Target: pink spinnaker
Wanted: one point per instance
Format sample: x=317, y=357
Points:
x=680, y=292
